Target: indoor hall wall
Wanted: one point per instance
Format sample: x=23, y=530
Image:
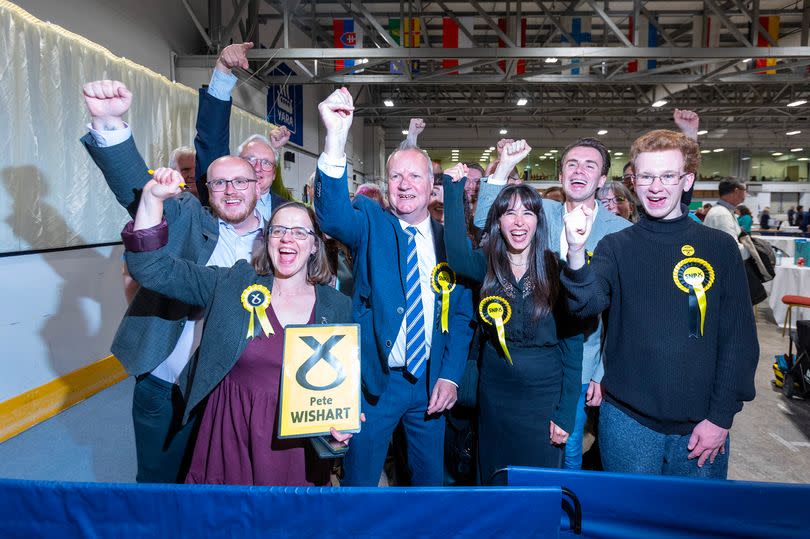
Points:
x=145, y=31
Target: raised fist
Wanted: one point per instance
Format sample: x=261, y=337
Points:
x=337, y=112
x=165, y=183
x=578, y=224
x=416, y=126
x=107, y=101
x=687, y=121
x=233, y=56
x=457, y=171
x=279, y=137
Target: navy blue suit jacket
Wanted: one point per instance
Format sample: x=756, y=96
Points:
x=379, y=248
x=212, y=141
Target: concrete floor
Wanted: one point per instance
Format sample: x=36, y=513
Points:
x=93, y=441
x=770, y=438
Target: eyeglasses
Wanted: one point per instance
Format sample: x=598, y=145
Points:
x=613, y=201
x=667, y=178
x=240, y=184
x=297, y=232
x=265, y=163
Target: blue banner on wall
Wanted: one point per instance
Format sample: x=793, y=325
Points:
x=285, y=105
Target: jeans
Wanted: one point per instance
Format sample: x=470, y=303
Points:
x=627, y=446
x=573, y=448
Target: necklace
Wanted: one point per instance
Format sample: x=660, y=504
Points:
x=520, y=265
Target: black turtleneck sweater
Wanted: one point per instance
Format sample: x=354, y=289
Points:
x=654, y=370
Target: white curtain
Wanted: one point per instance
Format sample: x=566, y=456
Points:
x=51, y=193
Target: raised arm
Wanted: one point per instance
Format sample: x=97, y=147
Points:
x=510, y=153
x=332, y=203
x=417, y=125
x=147, y=258
x=465, y=261
x=214, y=113
x=587, y=286
x=110, y=143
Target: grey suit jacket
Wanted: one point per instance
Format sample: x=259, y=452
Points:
x=219, y=291
x=153, y=323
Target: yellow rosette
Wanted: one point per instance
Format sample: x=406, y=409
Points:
x=256, y=300
x=496, y=311
x=694, y=276
x=443, y=281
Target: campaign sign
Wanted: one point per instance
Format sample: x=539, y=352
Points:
x=320, y=380
x=285, y=105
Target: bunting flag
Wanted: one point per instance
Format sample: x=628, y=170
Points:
x=647, y=37
x=771, y=24
x=407, y=33
x=580, y=30
x=454, y=38
x=509, y=27
x=706, y=34
x=346, y=37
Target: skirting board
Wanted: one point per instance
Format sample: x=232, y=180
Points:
x=24, y=411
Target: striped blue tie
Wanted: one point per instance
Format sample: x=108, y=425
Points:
x=415, y=343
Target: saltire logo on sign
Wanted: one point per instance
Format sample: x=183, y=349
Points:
x=580, y=30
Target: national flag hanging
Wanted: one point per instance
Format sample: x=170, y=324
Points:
x=771, y=24
x=509, y=26
x=706, y=34
x=346, y=37
x=580, y=30
x=408, y=34
x=454, y=38
x=647, y=37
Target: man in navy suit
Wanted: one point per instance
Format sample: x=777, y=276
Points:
x=411, y=365
x=213, y=132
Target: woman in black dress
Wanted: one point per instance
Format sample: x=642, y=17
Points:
x=529, y=378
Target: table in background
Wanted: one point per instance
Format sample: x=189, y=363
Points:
x=793, y=280
x=786, y=244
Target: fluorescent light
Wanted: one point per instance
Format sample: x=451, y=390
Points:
x=659, y=103
x=522, y=101
x=602, y=132
x=503, y=131
x=717, y=150
x=702, y=132
x=745, y=158
x=543, y=157
x=491, y=148
x=552, y=151
x=797, y=103
x=777, y=154
x=388, y=103
x=552, y=60
x=797, y=149
x=705, y=151
x=803, y=159
x=618, y=154
x=404, y=131
x=483, y=159
x=791, y=133
x=746, y=60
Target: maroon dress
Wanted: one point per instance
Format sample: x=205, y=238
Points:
x=237, y=442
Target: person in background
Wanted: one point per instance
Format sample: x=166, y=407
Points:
x=555, y=193
x=436, y=204
x=182, y=160
x=765, y=219
x=237, y=374
x=372, y=191
x=721, y=216
x=791, y=216
x=618, y=200
x=744, y=218
x=702, y=211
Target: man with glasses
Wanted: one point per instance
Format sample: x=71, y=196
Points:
x=213, y=131
x=681, y=345
x=158, y=336
x=721, y=215
x=582, y=170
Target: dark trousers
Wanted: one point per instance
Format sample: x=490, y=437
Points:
x=162, y=444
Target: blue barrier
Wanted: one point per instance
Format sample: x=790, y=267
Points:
x=66, y=510
x=626, y=505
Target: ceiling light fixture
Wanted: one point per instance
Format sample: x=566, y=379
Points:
x=404, y=131
x=705, y=151
x=522, y=101
x=803, y=159
x=660, y=103
x=797, y=103
x=388, y=103
x=702, y=132
x=552, y=60
x=602, y=132
x=618, y=154
x=791, y=133
x=797, y=149
x=777, y=154
x=503, y=131
x=717, y=150
x=491, y=148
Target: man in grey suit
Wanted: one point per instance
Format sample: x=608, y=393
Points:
x=582, y=170
x=158, y=336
